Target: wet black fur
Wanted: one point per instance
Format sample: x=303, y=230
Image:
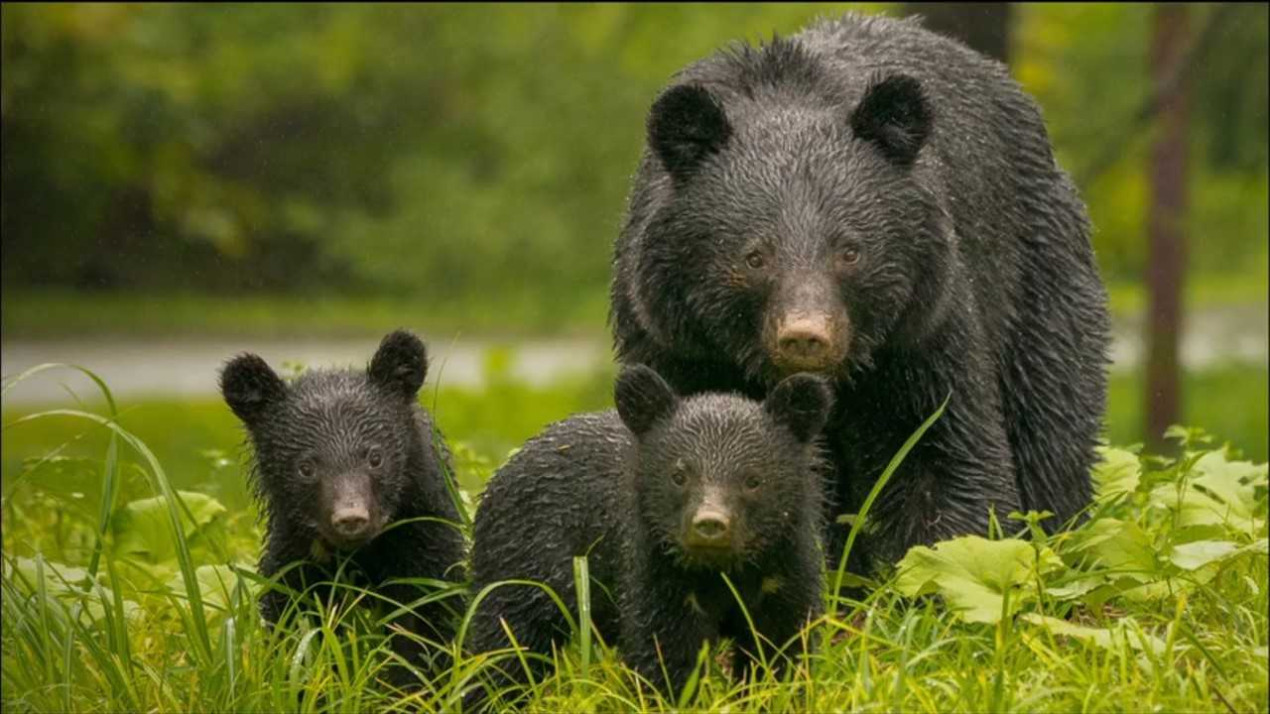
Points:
x=335, y=415
x=590, y=486
x=976, y=277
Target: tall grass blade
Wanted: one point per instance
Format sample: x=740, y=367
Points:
x=582, y=586
x=876, y=490
x=109, y=490
x=12, y=380
x=202, y=641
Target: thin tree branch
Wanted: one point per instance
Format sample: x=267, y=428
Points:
x=1185, y=66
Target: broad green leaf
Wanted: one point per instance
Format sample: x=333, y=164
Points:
x=1218, y=493
x=68, y=585
x=56, y=576
x=1133, y=566
x=1193, y=556
x=1075, y=589
x=1163, y=587
x=1232, y=482
x=1107, y=638
x=1119, y=472
x=1193, y=507
x=972, y=574
x=216, y=583
x=141, y=530
x=1120, y=546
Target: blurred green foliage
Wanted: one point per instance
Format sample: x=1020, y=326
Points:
x=200, y=442
x=483, y=152
x=1087, y=66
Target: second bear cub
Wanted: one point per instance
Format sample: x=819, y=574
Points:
x=339, y=456
x=664, y=497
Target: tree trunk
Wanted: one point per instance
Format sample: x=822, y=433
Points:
x=1166, y=255
x=984, y=26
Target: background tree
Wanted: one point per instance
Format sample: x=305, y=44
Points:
x=1166, y=262
x=984, y=26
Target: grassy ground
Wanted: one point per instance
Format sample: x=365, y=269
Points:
x=60, y=314
x=1128, y=635
x=194, y=438
x=50, y=315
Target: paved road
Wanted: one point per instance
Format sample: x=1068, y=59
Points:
x=188, y=368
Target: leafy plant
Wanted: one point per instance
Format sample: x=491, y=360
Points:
x=1157, y=600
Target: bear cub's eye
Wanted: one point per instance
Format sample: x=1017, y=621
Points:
x=374, y=458
x=677, y=473
x=752, y=482
x=306, y=469
x=850, y=255
x=755, y=259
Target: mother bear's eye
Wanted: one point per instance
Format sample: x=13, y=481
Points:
x=755, y=260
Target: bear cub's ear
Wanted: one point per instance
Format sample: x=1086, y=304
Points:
x=801, y=403
x=685, y=125
x=250, y=387
x=400, y=364
x=643, y=398
x=894, y=115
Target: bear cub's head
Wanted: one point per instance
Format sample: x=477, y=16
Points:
x=334, y=449
x=722, y=480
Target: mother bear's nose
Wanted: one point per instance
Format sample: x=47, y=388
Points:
x=805, y=342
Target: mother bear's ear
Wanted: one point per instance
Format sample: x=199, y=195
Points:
x=685, y=125
x=895, y=115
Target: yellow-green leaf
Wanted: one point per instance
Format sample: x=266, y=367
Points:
x=1107, y=638
x=973, y=574
x=1119, y=472
x=142, y=532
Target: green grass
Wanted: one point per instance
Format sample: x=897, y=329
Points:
x=61, y=314
x=200, y=441
x=1202, y=291
x=1231, y=402
x=143, y=642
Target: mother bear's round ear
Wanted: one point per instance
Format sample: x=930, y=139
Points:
x=400, y=364
x=895, y=115
x=643, y=398
x=685, y=125
x=250, y=387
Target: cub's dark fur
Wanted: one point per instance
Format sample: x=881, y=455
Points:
x=663, y=495
x=339, y=455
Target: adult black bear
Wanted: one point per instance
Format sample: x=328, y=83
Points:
x=879, y=204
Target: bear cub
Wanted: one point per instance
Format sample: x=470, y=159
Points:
x=339, y=456
x=664, y=496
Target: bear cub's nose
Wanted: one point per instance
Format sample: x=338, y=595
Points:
x=350, y=521
x=710, y=528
